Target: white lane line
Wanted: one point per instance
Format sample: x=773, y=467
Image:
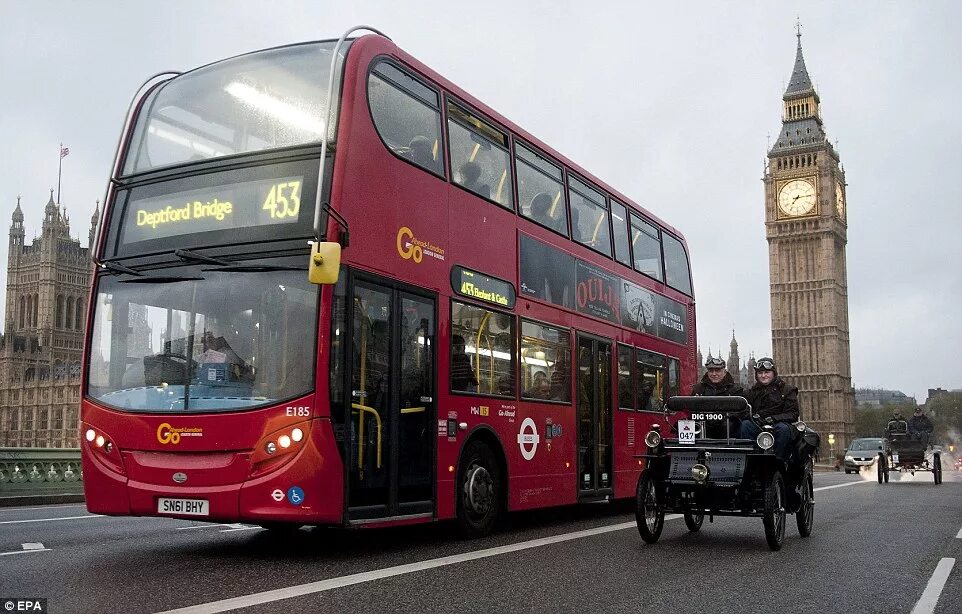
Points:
x=203, y=526
x=959, y=534
x=930, y=596
x=16, y=508
x=51, y=519
x=241, y=529
x=27, y=548
x=840, y=485
x=253, y=599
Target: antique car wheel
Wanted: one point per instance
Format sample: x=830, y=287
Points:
x=479, y=499
x=937, y=468
x=648, y=513
x=774, y=515
x=694, y=520
x=881, y=467
x=805, y=516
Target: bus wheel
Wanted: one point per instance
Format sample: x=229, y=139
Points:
x=479, y=491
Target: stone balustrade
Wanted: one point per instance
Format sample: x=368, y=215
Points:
x=40, y=470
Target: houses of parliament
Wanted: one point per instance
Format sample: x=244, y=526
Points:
x=48, y=282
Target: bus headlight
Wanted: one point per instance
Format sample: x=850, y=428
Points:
x=765, y=440
x=652, y=439
x=91, y=434
x=699, y=472
x=271, y=447
x=297, y=435
x=285, y=441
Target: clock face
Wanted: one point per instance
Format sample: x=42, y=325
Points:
x=797, y=197
x=839, y=200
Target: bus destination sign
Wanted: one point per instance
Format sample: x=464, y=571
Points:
x=229, y=206
x=482, y=287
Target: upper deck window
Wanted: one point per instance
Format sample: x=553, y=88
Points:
x=646, y=243
x=541, y=190
x=407, y=115
x=589, y=216
x=480, y=161
x=619, y=228
x=676, y=265
x=263, y=100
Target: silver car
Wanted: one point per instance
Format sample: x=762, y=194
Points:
x=863, y=452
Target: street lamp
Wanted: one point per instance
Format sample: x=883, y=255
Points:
x=831, y=446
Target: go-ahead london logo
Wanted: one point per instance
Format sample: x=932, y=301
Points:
x=528, y=438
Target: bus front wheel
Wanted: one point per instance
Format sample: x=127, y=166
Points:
x=480, y=488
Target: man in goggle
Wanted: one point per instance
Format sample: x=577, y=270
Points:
x=920, y=426
x=774, y=402
x=718, y=382
x=897, y=425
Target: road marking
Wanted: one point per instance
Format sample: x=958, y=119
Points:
x=16, y=508
x=959, y=534
x=27, y=548
x=240, y=528
x=203, y=526
x=840, y=485
x=51, y=519
x=299, y=590
x=930, y=596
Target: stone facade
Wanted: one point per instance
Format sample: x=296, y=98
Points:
x=48, y=283
x=806, y=227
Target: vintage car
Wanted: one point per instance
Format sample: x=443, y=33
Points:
x=909, y=452
x=697, y=476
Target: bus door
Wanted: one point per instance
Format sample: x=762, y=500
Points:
x=390, y=443
x=594, y=418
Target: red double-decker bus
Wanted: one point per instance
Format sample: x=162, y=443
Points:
x=492, y=328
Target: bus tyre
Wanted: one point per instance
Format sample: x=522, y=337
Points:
x=774, y=515
x=480, y=491
x=649, y=514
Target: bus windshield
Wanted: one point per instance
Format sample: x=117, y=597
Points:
x=264, y=100
x=197, y=339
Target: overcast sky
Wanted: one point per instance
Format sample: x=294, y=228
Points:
x=670, y=102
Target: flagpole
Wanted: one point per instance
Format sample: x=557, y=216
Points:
x=59, y=170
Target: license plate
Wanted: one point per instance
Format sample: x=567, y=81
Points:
x=686, y=431
x=895, y=458
x=183, y=507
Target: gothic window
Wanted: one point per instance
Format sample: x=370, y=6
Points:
x=59, y=311
x=22, y=310
x=69, y=320
x=79, y=315
x=35, y=309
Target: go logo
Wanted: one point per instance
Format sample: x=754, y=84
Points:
x=167, y=435
x=405, y=246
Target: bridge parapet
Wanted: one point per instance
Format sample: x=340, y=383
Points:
x=40, y=470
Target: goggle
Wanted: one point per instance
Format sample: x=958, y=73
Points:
x=765, y=365
x=715, y=363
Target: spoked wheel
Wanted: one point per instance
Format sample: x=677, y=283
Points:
x=881, y=468
x=805, y=516
x=937, y=468
x=648, y=513
x=479, y=491
x=694, y=520
x=774, y=516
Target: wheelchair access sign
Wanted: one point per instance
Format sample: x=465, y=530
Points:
x=686, y=431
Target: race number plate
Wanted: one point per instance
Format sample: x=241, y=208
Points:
x=686, y=431
x=895, y=458
x=183, y=507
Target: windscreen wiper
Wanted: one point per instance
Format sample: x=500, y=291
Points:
x=186, y=254
x=159, y=279
x=119, y=268
x=255, y=268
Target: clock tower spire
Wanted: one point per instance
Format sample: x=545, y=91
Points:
x=807, y=230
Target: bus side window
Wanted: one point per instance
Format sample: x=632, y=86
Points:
x=646, y=245
x=480, y=161
x=482, y=351
x=676, y=264
x=545, y=363
x=540, y=190
x=407, y=116
x=589, y=216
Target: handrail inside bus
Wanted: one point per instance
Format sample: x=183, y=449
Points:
x=360, y=434
x=318, y=205
x=135, y=101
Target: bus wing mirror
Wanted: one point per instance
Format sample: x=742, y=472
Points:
x=325, y=262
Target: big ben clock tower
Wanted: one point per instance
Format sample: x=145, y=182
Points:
x=806, y=225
